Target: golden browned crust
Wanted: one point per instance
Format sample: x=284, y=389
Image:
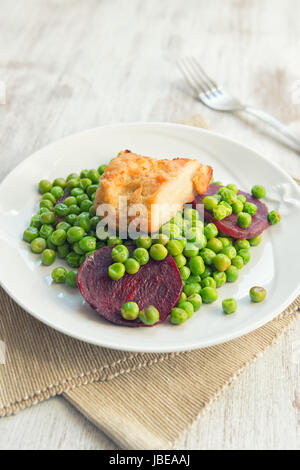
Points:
x=141, y=180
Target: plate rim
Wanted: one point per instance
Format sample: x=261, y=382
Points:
x=137, y=349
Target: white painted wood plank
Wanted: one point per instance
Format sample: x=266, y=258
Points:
x=73, y=64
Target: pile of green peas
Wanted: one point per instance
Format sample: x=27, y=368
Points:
x=206, y=259
x=65, y=225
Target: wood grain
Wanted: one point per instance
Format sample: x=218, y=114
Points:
x=69, y=65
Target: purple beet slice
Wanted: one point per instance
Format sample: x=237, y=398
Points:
x=229, y=225
x=156, y=283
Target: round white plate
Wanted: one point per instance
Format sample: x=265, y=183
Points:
x=274, y=263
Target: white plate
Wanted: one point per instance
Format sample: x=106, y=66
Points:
x=274, y=264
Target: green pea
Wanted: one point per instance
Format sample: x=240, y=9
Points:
x=187, y=307
x=141, y=255
x=190, y=250
x=178, y=316
x=30, y=234
x=94, y=176
x=208, y=256
x=237, y=206
x=220, y=278
x=74, y=209
x=220, y=212
x=274, y=217
x=58, y=237
x=227, y=207
x=194, y=234
x=131, y=266
x=244, y=219
x=85, y=205
x=44, y=186
x=77, y=192
x=84, y=173
x=229, y=306
x=63, y=226
x=183, y=297
x=255, y=241
x=180, y=260
x=85, y=183
x=209, y=295
x=130, y=311
x=232, y=274
x=63, y=250
x=60, y=182
x=51, y=245
x=49, y=196
x=210, y=203
x=88, y=244
x=46, y=230
x=174, y=247
x=250, y=208
x=242, y=244
x=73, y=183
x=195, y=300
x=101, y=169
x=162, y=239
x=196, y=265
x=45, y=203
x=177, y=219
x=229, y=251
x=35, y=221
x=214, y=244
x=94, y=221
x=120, y=254
x=191, y=214
x=144, y=241
x=73, y=259
x=83, y=221
x=59, y=275
x=158, y=252
x=75, y=234
x=111, y=241
x=47, y=218
x=245, y=254
x=48, y=257
x=92, y=212
x=71, y=219
x=227, y=195
x=258, y=191
x=149, y=315
x=38, y=245
x=72, y=176
x=221, y=262
x=61, y=209
x=71, y=278
x=92, y=189
x=209, y=282
x=192, y=288
x=57, y=192
x=257, y=294
x=194, y=278
x=185, y=272
x=238, y=262
x=225, y=241
x=232, y=187
x=171, y=230
x=77, y=249
x=242, y=198
x=207, y=272
x=71, y=200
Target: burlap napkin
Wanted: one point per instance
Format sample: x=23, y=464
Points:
x=140, y=400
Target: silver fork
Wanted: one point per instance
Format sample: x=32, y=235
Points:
x=215, y=97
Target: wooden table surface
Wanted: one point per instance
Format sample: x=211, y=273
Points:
x=69, y=65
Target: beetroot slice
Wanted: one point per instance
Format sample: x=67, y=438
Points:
x=156, y=283
x=229, y=225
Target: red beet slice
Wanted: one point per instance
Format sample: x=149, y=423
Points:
x=156, y=283
x=229, y=225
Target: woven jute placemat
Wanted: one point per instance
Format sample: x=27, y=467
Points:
x=140, y=400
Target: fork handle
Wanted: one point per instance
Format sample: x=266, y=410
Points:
x=273, y=122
